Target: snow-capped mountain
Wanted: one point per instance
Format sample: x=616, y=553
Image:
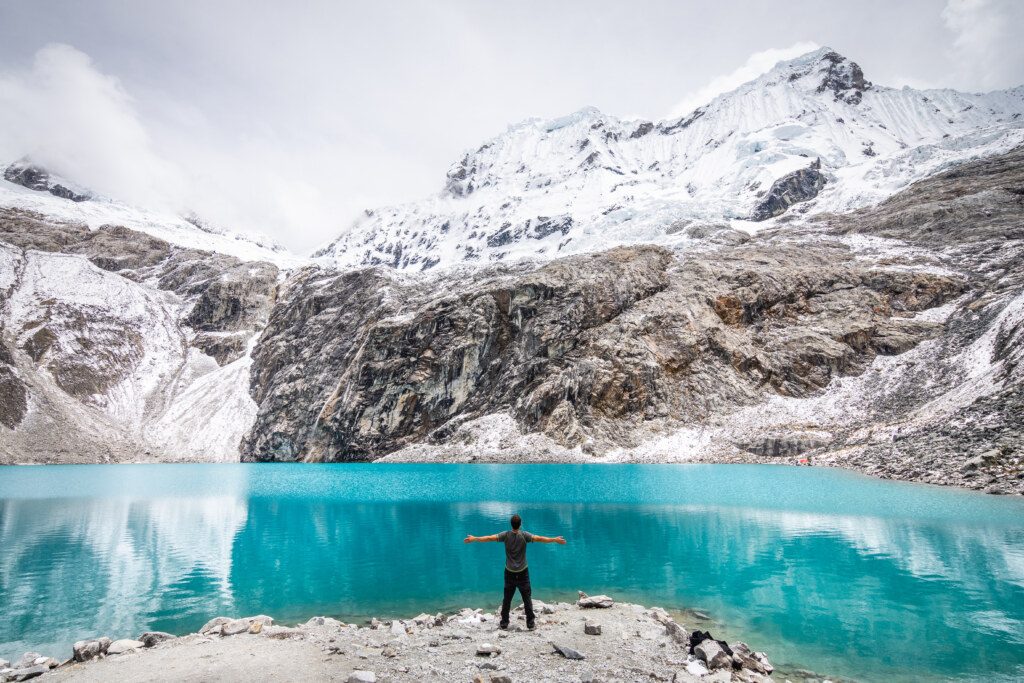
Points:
x=590, y=181
x=27, y=186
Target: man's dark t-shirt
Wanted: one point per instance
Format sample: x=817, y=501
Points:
x=515, y=548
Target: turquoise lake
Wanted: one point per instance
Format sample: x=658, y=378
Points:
x=823, y=569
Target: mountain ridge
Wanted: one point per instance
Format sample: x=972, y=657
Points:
x=589, y=180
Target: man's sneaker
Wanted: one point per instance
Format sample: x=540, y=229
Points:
x=530, y=626
x=503, y=625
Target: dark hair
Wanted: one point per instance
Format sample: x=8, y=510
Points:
x=516, y=521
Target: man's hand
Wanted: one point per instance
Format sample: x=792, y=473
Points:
x=481, y=539
x=548, y=539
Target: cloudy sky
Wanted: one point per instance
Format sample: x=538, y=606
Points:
x=288, y=122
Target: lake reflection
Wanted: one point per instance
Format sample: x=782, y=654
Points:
x=820, y=568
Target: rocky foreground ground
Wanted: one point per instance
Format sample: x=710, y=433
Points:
x=590, y=641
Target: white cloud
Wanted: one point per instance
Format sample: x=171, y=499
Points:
x=987, y=49
x=757, y=64
x=71, y=118
x=298, y=185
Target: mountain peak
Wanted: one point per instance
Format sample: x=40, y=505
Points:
x=825, y=70
x=30, y=175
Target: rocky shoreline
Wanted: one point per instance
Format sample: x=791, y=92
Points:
x=595, y=639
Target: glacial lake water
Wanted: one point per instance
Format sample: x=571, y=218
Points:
x=823, y=569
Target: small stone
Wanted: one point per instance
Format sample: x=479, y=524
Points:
x=375, y=623
x=567, y=652
x=151, y=638
x=500, y=679
x=542, y=607
x=213, y=623
x=26, y=673
x=389, y=652
x=27, y=660
x=119, y=647
x=398, y=628
x=763, y=658
x=695, y=667
x=487, y=650
x=591, y=629
x=973, y=464
x=595, y=602
x=712, y=654
x=4, y=664
x=360, y=676
x=233, y=628
x=84, y=650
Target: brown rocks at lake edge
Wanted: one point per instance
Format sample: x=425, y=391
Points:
x=466, y=645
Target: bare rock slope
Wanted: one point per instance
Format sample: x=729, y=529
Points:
x=746, y=349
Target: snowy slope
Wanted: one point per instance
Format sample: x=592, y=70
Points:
x=94, y=210
x=120, y=347
x=590, y=181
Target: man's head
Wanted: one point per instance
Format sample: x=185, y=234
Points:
x=516, y=521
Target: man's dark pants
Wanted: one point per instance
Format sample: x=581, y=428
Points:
x=520, y=580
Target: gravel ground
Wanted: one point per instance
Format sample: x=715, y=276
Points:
x=635, y=643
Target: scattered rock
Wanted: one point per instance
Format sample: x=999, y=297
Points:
x=487, y=650
x=151, y=638
x=119, y=647
x=672, y=629
x=594, y=601
x=360, y=676
x=542, y=607
x=27, y=660
x=283, y=632
x=744, y=658
x=591, y=628
x=695, y=667
x=84, y=650
x=567, y=652
x=213, y=623
x=26, y=673
x=713, y=655
x=973, y=464
x=234, y=627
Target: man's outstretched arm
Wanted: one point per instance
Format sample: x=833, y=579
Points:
x=548, y=539
x=493, y=538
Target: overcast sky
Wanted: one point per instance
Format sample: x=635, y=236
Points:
x=286, y=121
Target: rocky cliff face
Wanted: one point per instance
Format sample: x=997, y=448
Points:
x=117, y=345
x=799, y=186
x=587, y=349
